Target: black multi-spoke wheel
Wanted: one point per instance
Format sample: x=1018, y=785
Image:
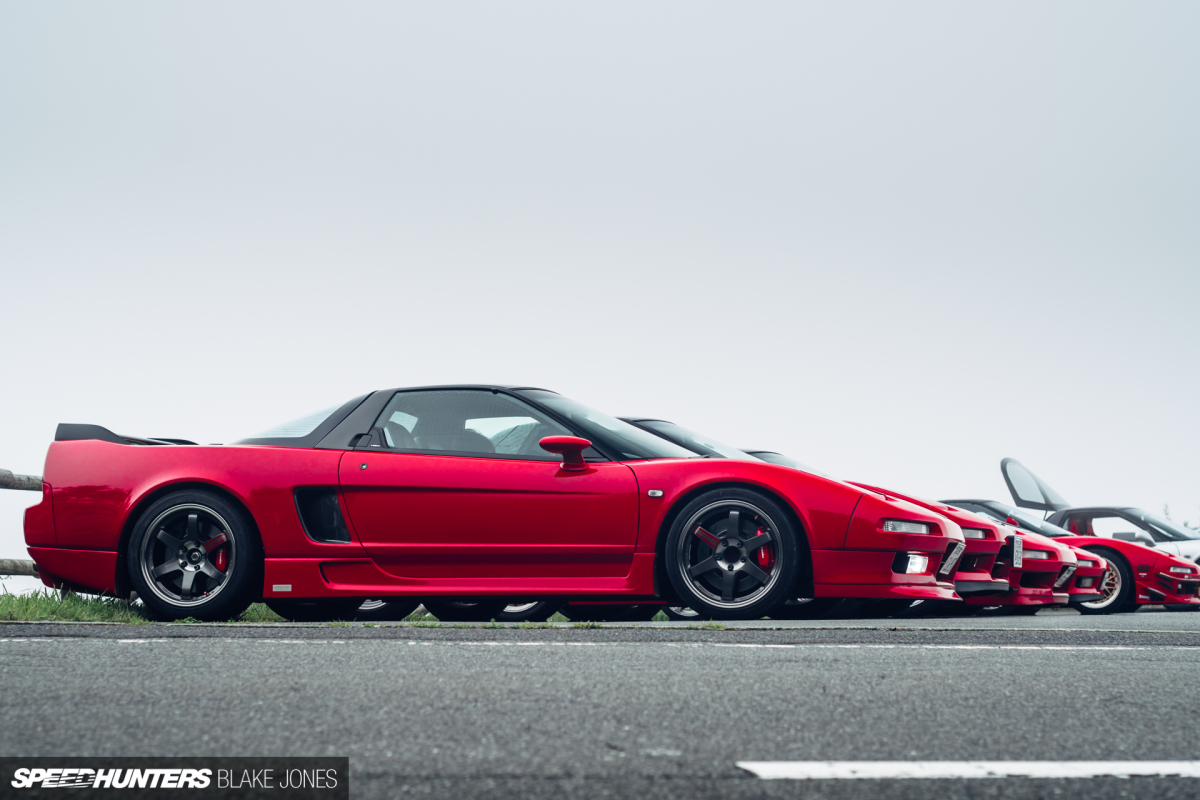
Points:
x=192, y=554
x=732, y=554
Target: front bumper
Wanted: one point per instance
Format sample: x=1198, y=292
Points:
x=974, y=574
x=1027, y=587
x=871, y=574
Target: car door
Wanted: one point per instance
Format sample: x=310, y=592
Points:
x=1029, y=491
x=459, y=488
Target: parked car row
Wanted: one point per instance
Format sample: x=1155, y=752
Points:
x=503, y=502
x=1093, y=564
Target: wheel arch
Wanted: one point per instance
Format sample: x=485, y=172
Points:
x=662, y=584
x=122, y=582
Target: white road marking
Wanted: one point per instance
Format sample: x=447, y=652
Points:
x=876, y=770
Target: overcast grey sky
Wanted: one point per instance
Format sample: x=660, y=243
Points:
x=895, y=240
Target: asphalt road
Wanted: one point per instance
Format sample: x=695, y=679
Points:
x=647, y=711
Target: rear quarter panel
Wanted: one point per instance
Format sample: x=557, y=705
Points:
x=97, y=485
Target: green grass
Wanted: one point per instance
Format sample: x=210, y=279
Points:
x=258, y=612
x=46, y=605
x=709, y=626
x=587, y=625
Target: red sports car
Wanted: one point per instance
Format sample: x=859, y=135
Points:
x=468, y=493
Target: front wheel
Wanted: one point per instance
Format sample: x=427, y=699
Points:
x=732, y=554
x=194, y=554
x=1117, y=588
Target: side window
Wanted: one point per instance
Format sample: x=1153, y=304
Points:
x=1110, y=526
x=468, y=422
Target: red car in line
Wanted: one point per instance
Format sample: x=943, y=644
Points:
x=476, y=493
x=1134, y=574
x=1049, y=577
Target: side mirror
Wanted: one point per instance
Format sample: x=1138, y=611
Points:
x=570, y=448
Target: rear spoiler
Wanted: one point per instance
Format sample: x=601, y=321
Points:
x=27, y=483
x=70, y=432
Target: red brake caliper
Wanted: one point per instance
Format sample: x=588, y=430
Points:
x=765, y=555
x=220, y=562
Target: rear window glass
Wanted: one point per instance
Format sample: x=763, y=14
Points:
x=297, y=428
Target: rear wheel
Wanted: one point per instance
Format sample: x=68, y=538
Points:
x=462, y=611
x=194, y=554
x=333, y=609
x=1117, y=589
x=732, y=554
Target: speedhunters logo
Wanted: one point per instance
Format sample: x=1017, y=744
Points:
x=325, y=778
x=68, y=777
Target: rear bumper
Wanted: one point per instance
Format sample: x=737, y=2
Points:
x=93, y=571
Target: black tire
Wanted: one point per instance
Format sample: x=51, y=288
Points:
x=1022, y=611
x=540, y=611
x=381, y=610
x=462, y=611
x=719, y=572
x=939, y=608
x=1119, y=598
x=684, y=614
x=609, y=612
x=333, y=609
x=806, y=608
x=880, y=609
x=192, y=553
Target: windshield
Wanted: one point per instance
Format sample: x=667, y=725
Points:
x=1033, y=521
x=1168, y=529
x=631, y=442
x=784, y=461
x=695, y=442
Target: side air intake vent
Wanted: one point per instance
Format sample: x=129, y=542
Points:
x=321, y=515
